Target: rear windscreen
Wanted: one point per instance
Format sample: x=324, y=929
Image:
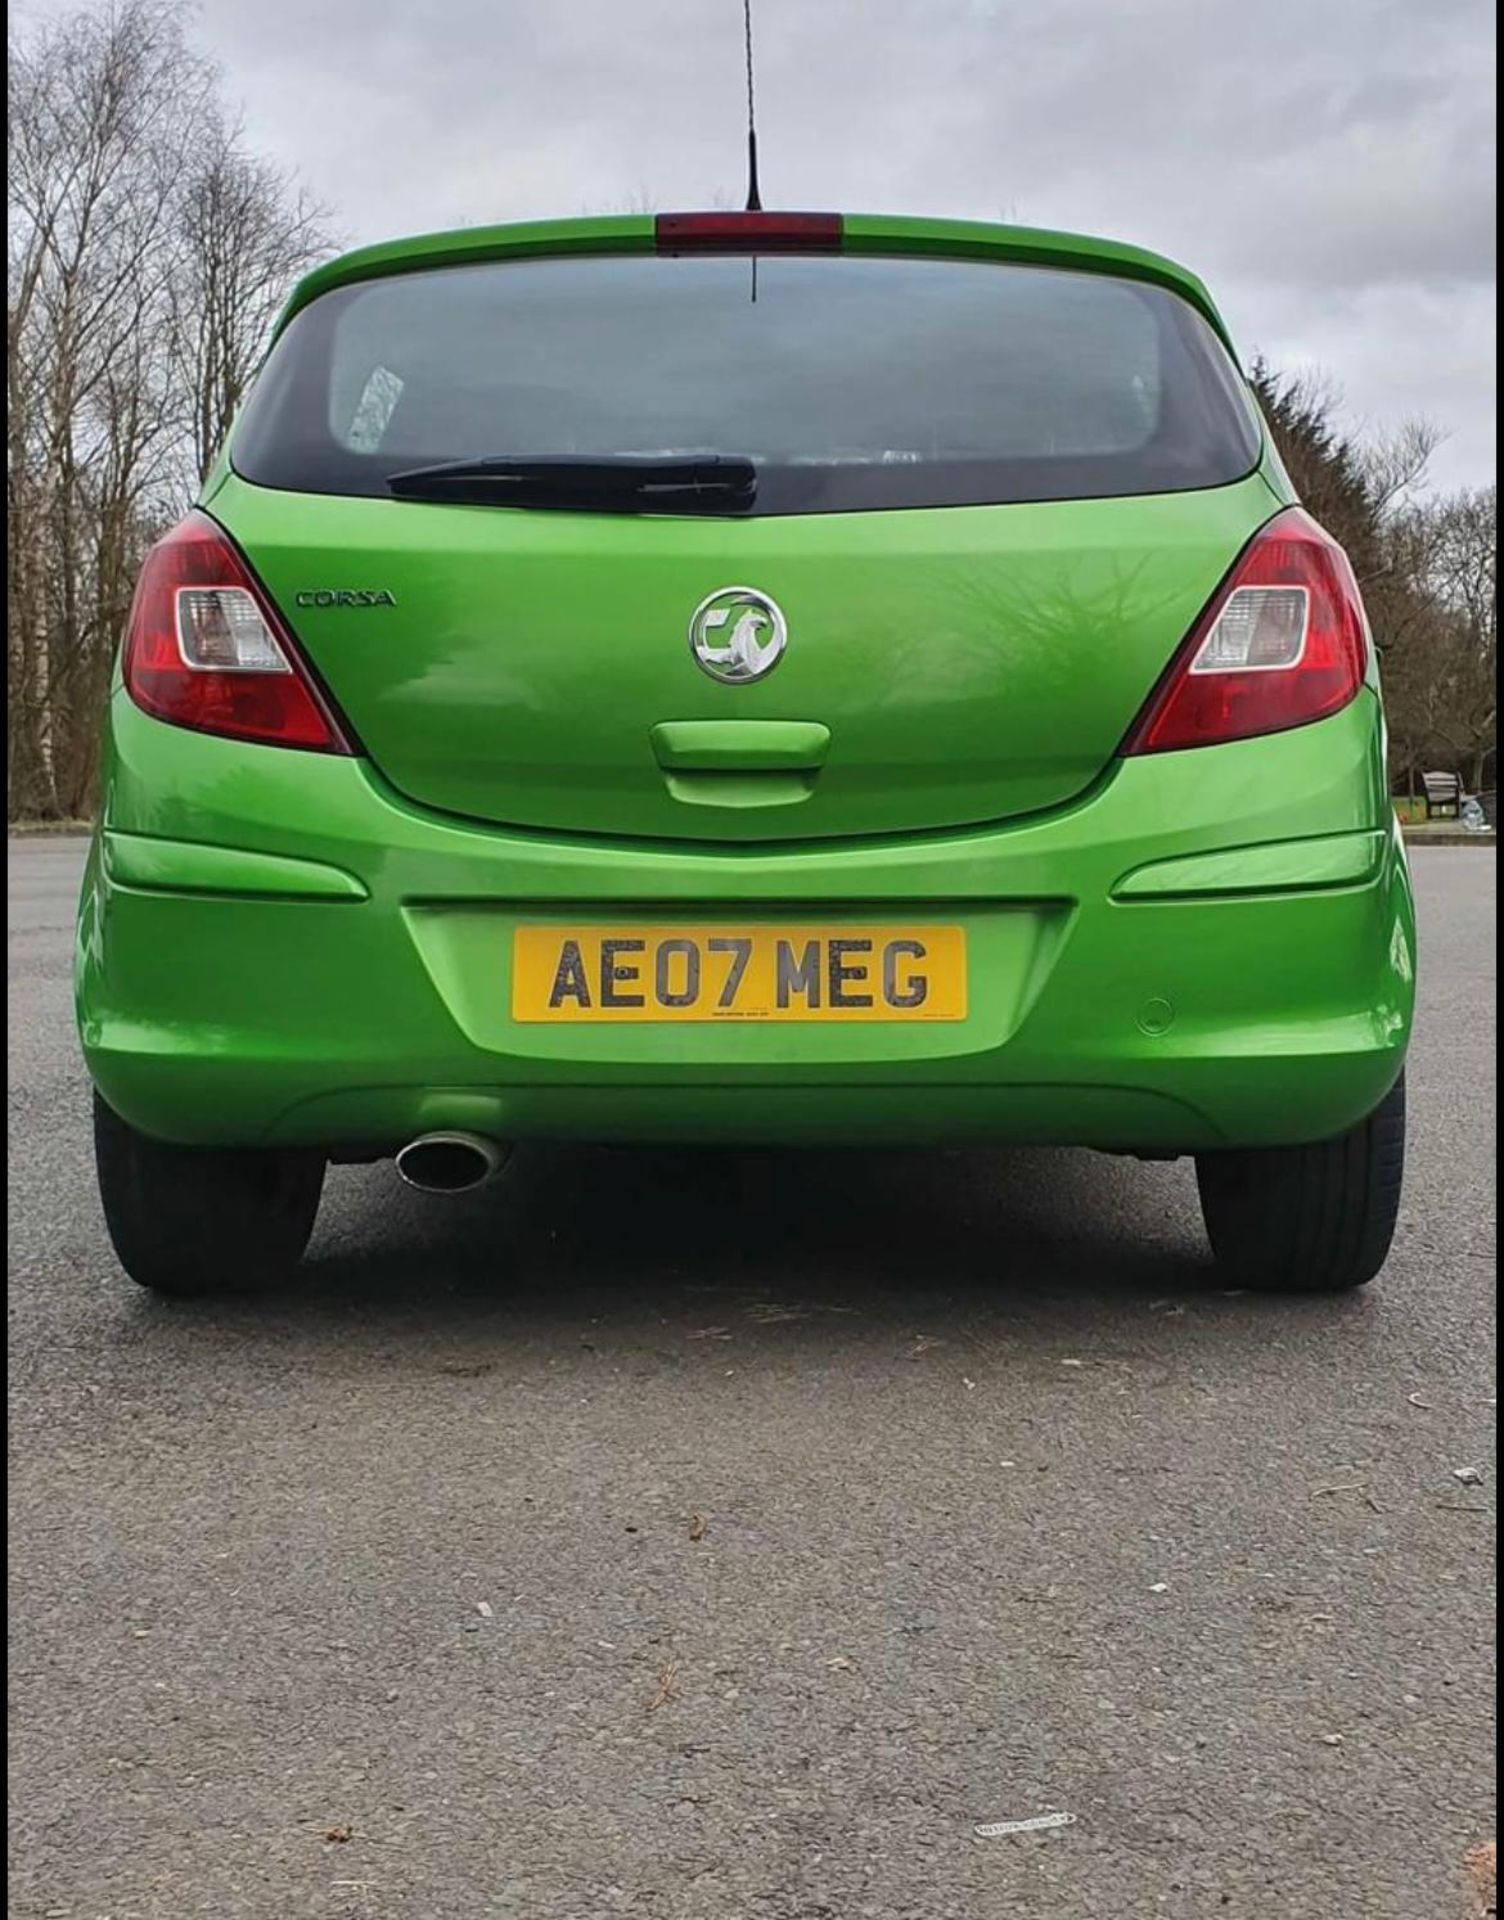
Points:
x=850, y=381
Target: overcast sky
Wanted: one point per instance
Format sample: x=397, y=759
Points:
x=1326, y=165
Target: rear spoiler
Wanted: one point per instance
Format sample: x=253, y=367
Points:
x=758, y=232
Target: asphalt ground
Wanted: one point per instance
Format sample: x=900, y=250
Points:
x=727, y=1536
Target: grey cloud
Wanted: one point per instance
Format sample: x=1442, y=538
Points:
x=1325, y=164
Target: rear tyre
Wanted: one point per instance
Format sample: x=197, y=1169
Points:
x=203, y=1220
x=1314, y=1219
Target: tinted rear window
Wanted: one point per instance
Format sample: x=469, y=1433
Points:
x=852, y=382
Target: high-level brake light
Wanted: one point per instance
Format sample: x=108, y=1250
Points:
x=748, y=232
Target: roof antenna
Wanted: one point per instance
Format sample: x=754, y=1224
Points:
x=754, y=199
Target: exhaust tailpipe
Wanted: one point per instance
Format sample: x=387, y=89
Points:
x=449, y=1162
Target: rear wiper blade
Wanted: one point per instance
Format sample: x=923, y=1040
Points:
x=604, y=483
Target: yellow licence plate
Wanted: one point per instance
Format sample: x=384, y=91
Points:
x=672, y=972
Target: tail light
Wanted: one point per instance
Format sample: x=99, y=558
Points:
x=206, y=648
x=1284, y=641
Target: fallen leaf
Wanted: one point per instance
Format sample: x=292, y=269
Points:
x=1481, y=1869
x=337, y=1836
x=696, y=1527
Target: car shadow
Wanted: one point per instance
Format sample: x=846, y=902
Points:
x=618, y=1217
x=578, y=1234
x=756, y=1260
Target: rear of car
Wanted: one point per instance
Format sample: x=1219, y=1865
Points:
x=749, y=678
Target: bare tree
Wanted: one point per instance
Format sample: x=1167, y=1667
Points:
x=1463, y=578
x=97, y=103
x=247, y=229
x=108, y=250
x=1354, y=485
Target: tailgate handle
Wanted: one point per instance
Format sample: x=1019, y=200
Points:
x=740, y=746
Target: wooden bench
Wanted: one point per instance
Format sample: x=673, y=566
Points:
x=1443, y=796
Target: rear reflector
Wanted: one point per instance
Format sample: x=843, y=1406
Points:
x=748, y=232
x=206, y=649
x=1283, y=642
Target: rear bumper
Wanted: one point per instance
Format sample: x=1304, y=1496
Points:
x=1209, y=949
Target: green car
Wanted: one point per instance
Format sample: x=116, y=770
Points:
x=761, y=677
